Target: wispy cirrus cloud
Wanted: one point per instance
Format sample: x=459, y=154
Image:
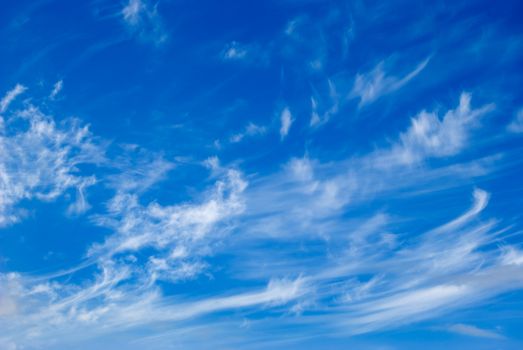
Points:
x=473, y=331
x=443, y=269
x=432, y=136
x=10, y=96
x=348, y=229
x=123, y=294
x=39, y=159
x=144, y=21
x=57, y=88
x=370, y=86
x=172, y=230
x=126, y=310
x=317, y=117
x=373, y=278
x=324, y=190
x=136, y=170
x=412, y=279
x=447, y=268
x=250, y=130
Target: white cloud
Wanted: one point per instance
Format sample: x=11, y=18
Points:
x=124, y=292
x=123, y=295
x=311, y=192
x=277, y=292
x=315, y=117
x=318, y=118
x=430, y=136
x=250, y=130
x=473, y=331
x=413, y=276
x=450, y=267
x=81, y=205
x=370, y=86
x=301, y=169
x=447, y=269
x=358, y=272
x=286, y=121
x=182, y=227
x=481, y=199
x=144, y=21
x=212, y=163
x=512, y=256
x=138, y=171
x=234, y=51
x=10, y=96
x=127, y=309
x=132, y=11
x=57, y=87
x=516, y=126
x=247, y=53
x=405, y=307
x=39, y=159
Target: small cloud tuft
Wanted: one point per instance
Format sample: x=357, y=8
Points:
x=234, y=51
x=144, y=21
x=286, y=121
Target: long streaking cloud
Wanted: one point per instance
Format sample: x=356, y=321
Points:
x=10, y=96
x=370, y=86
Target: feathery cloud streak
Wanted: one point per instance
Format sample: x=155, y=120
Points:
x=370, y=86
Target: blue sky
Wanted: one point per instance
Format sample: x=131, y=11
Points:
x=261, y=175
